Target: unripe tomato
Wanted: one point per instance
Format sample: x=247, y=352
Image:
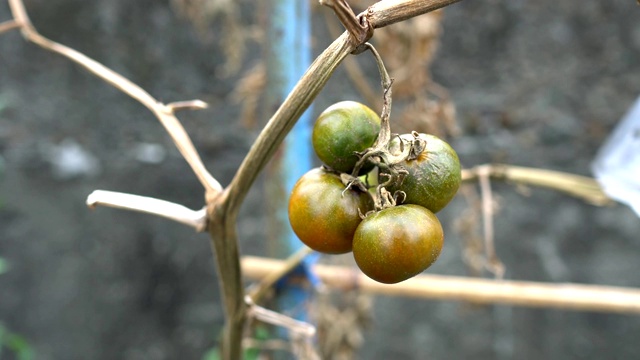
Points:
x=434, y=176
x=343, y=129
x=397, y=243
x=323, y=214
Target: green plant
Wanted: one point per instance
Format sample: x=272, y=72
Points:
x=4, y=266
x=341, y=131
x=9, y=340
x=15, y=343
x=324, y=214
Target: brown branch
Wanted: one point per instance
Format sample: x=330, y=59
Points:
x=385, y=13
x=492, y=261
x=196, y=219
x=358, y=27
x=187, y=105
x=161, y=111
x=353, y=69
x=567, y=296
x=8, y=26
x=258, y=291
x=578, y=186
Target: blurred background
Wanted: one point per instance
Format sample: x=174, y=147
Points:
x=529, y=83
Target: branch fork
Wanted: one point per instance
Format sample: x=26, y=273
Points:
x=358, y=27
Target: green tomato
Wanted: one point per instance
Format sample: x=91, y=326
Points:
x=397, y=243
x=433, y=177
x=342, y=130
x=323, y=214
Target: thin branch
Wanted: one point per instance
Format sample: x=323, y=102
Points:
x=386, y=81
x=567, y=296
x=493, y=263
x=353, y=69
x=8, y=26
x=271, y=317
x=385, y=13
x=257, y=291
x=163, y=113
x=578, y=186
x=196, y=219
x=360, y=31
x=187, y=105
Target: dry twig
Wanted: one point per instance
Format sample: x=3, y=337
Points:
x=163, y=112
x=578, y=186
x=9, y=25
x=196, y=219
x=566, y=296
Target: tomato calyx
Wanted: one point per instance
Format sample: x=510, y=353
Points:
x=353, y=182
x=390, y=162
x=417, y=145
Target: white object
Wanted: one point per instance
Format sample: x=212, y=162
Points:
x=617, y=164
x=70, y=160
x=149, y=153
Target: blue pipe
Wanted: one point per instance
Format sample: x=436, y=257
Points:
x=289, y=57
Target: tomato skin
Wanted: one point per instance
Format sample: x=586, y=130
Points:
x=323, y=215
x=397, y=243
x=434, y=177
x=341, y=130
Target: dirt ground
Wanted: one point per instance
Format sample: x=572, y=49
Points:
x=535, y=83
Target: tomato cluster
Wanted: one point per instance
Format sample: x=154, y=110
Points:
x=330, y=214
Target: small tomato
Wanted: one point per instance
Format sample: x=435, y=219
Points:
x=397, y=243
x=433, y=177
x=343, y=129
x=323, y=214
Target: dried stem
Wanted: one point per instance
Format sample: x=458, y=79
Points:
x=196, y=219
x=380, y=146
x=271, y=317
x=386, y=81
x=358, y=27
x=161, y=111
x=8, y=26
x=578, y=186
x=353, y=69
x=493, y=263
x=385, y=13
x=257, y=291
x=567, y=296
x=187, y=105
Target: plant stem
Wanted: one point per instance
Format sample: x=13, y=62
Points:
x=566, y=296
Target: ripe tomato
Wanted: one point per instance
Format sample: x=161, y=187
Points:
x=397, y=243
x=343, y=129
x=433, y=178
x=323, y=214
